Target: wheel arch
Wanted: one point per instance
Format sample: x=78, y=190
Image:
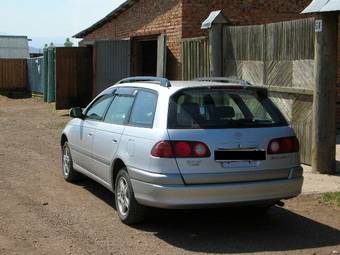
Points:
x=116, y=166
x=63, y=139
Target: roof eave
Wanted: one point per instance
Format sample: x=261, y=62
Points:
x=116, y=12
x=319, y=6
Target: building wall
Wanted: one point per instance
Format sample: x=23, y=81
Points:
x=149, y=17
x=239, y=12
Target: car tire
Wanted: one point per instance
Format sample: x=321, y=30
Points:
x=69, y=174
x=129, y=210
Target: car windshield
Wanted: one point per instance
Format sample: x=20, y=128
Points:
x=213, y=108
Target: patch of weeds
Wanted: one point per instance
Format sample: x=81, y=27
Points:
x=52, y=109
x=332, y=198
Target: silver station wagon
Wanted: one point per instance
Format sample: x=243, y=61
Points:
x=183, y=144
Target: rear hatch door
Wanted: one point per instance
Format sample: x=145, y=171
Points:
x=237, y=125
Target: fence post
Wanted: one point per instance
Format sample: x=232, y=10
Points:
x=51, y=74
x=215, y=50
x=68, y=43
x=215, y=23
x=45, y=72
x=324, y=103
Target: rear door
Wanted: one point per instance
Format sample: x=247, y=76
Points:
x=139, y=136
x=229, y=123
x=112, y=62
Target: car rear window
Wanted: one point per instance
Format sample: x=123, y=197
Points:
x=213, y=108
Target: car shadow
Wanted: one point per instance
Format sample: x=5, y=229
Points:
x=231, y=230
x=97, y=190
x=240, y=230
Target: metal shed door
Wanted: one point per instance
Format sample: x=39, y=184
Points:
x=161, y=56
x=112, y=63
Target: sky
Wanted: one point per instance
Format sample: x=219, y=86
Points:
x=44, y=21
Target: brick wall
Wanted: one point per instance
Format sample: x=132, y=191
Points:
x=239, y=12
x=149, y=17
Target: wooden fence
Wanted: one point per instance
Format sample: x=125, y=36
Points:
x=279, y=56
x=13, y=74
x=195, y=58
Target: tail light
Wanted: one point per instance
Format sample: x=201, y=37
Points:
x=180, y=149
x=283, y=145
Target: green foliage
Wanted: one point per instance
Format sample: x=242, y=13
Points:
x=332, y=198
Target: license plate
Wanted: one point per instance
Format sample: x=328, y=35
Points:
x=239, y=155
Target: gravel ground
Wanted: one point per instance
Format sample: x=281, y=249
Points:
x=42, y=214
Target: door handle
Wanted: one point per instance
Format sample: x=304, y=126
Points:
x=90, y=134
x=114, y=141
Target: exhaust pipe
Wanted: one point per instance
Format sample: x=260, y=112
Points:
x=280, y=203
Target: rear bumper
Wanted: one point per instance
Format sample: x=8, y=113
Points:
x=192, y=196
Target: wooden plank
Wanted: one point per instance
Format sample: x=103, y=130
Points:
x=289, y=90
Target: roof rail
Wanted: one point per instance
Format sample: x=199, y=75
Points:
x=162, y=81
x=225, y=79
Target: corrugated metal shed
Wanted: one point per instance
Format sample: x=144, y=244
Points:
x=323, y=6
x=13, y=47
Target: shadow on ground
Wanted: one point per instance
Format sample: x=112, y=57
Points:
x=231, y=230
x=16, y=94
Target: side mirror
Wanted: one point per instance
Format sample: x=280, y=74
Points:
x=76, y=112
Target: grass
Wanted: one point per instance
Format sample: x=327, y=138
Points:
x=332, y=198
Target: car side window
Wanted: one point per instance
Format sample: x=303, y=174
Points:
x=144, y=108
x=119, y=110
x=98, y=109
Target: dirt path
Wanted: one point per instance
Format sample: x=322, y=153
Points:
x=41, y=214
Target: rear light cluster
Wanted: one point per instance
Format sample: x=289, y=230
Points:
x=283, y=145
x=180, y=149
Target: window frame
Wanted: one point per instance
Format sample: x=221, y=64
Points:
x=261, y=93
x=129, y=112
x=154, y=115
x=88, y=108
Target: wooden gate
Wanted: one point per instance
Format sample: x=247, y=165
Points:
x=13, y=74
x=74, y=77
x=112, y=63
x=195, y=58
